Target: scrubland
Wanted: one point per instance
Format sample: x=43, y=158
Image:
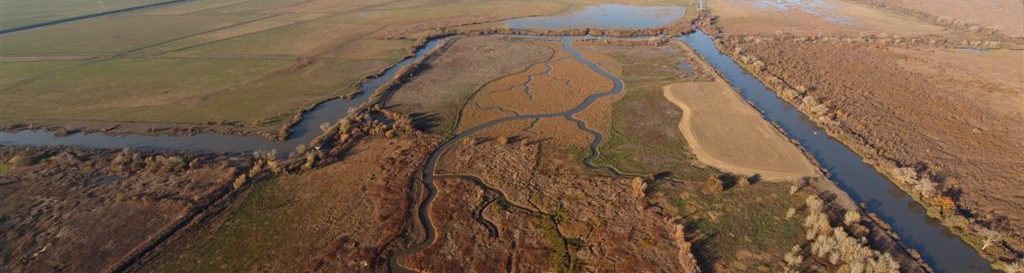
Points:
x=939, y=121
x=313, y=221
x=59, y=202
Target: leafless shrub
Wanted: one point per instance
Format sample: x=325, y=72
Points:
x=851, y=217
x=240, y=181
x=714, y=185
x=790, y=213
x=64, y=158
x=164, y=164
x=839, y=248
x=793, y=259
x=310, y=160
x=988, y=236
x=1015, y=267
x=639, y=187
x=793, y=189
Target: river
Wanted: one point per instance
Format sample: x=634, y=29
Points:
x=944, y=251
x=940, y=248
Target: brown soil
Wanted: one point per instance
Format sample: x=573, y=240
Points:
x=438, y=94
x=75, y=210
x=949, y=114
x=727, y=133
x=344, y=217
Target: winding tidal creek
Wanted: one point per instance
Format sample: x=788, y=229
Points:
x=942, y=250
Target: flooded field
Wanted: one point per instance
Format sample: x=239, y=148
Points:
x=604, y=16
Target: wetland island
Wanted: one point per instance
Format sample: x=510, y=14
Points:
x=847, y=136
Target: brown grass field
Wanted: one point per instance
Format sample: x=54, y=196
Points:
x=442, y=91
x=950, y=114
x=341, y=218
x=730, y=135
x=87, y=211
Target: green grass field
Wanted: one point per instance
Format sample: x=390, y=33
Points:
x=209, y=61
x=16, y=13
x=642, y=139
x=742, y=228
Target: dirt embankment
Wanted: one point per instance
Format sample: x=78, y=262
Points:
x=943, y=131
x=730, y=135
x=94, y=210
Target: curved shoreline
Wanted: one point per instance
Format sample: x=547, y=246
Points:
x=705, y=155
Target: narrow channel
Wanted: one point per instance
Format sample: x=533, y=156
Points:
x=302, y=133
x=427, y=175
x=943, y=250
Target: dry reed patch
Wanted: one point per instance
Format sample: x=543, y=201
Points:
x=583, y=222
x=464, y=217
x=729, y=134
x=344, y=217
x=468, y=64
x=920, y=109
x=556, y=86
x=89, y=210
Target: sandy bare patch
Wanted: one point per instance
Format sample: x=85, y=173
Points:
x=728, y=134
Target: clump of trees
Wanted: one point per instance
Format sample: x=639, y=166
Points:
x=835, y=246
x=639, y=187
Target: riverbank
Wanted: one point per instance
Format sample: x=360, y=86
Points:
x=950, y=191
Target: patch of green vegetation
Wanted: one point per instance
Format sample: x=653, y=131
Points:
x=644, y=135
x=240, y=241
x=15, y=73
x=751, y=220
x=562, y=259
x=4, y=167
x=16, y=13
x=113, y=34
x=141, y=90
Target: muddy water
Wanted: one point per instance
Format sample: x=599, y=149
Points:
x=944, y=251
x=604, y=16
x=303, y=132
x=423, y=210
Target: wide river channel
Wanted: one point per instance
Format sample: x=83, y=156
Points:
x=945, y=252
